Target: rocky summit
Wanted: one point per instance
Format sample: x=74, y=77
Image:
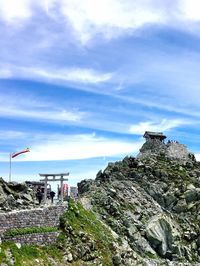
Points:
x=151, y=204
x=141, y=211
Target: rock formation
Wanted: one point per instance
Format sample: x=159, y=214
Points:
x=152, y=203
x=15, y=195
x=142, y=211
x=156, y=146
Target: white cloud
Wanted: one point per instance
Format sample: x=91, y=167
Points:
x=19, y=11
x=70, y=74
x=12, y=10
x=5, y=73
x=56, y=116
x=109, y=16
x=15, y=106
x=164, y=125
x=112, y=18
x=190, y=9
x=76, y=75
x=79, y=147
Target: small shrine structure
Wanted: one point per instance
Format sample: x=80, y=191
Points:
x=148, y=135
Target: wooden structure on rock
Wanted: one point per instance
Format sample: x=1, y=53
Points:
x=148, y=135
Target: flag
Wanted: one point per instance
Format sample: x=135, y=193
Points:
x=20, y=152
x=65, y=189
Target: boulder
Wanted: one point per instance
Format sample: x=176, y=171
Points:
x=170, y=200
x=84, y=186
x=181, y=206
x=191, y=195
x=27, y=197
x=162, y=235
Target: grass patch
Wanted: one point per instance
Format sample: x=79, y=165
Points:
x=29, y=230
x=81, y=219
x=20, y=256
x=29, y=255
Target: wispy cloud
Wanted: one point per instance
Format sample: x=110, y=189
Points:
x=76, y=75
x=164, y=125
x=82, y=146
x=5, y=73
x=11, y=134
x=35, y=109
x=51, y=116
x=70, y=74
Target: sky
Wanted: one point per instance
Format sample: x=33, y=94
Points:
x=82, y=80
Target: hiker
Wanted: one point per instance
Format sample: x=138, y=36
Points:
x=52, y=194
x=39, y=195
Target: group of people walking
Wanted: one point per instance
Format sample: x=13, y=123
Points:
x=39, y=195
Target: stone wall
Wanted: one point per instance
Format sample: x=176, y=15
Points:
x=39, y=217
x=34, y=239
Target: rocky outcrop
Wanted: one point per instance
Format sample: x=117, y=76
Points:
x=172, y=150
x=15, y=196
x=152, y=203
x=142, y=211
x=163, y=236
x=178, y=151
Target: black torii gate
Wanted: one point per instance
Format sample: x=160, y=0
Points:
x=52, y=177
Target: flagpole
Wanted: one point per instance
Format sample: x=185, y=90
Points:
x=13, y=155
x=10, y=169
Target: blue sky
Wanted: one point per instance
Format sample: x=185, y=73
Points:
x=80, y=81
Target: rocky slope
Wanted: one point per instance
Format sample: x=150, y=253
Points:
x=142, y=211
x=152, y=204
x=15, y=195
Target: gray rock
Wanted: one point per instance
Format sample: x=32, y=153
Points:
x=161, y=234
x=170, y=200
x=27, y=197
x=69, y=257
x=2, y=196
x=191, y=195
x=117, y=260
x=181, y=206
x=19, y=201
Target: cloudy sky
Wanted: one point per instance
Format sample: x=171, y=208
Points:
x=81, y=80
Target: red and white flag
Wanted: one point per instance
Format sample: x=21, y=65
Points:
x=65, y=189
x=15, y=154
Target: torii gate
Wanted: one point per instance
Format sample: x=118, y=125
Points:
x=47, y=177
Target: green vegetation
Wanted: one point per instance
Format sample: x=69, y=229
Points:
x=29, y=230
x=28, y=255
x=84, y=240
x=78, y=219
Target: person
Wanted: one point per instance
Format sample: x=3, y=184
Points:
x=39, y=195
x=52, y=194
